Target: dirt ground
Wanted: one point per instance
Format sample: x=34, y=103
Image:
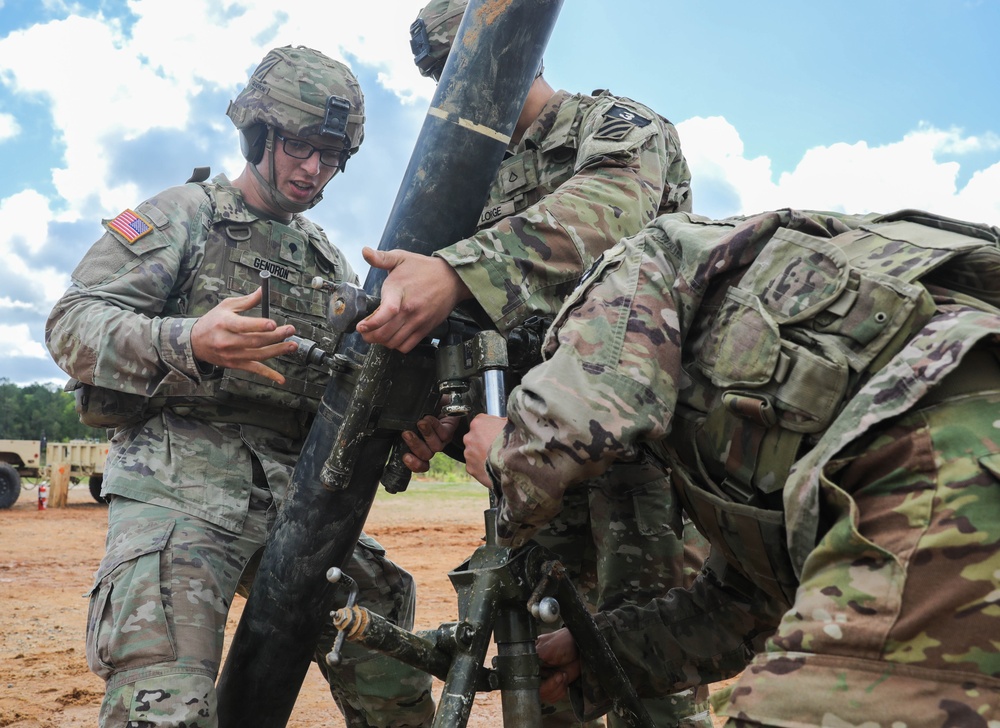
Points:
x=47, y=560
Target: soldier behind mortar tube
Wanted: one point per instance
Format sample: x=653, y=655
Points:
x=581, y=172
x=159, y=329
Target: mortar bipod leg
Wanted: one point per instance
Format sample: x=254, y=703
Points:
x=475, y=630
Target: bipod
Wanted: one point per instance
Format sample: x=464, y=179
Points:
x=501, y=593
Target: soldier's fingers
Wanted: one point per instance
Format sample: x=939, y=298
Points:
x=430, y=434
x=384, y=259
x=242, y=303
x=415, y=464
x=258, y=339
x=418, y=447
x=445, y=428
x=556, y=649
x=263, y=370
x=553, y=687
x=240, y=354
x=389, y=331
x=411, y=339
x=381, y=324
x=252, y=325
x=476, y=467
x=262, y=353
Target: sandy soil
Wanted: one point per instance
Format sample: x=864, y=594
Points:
x=47, y=559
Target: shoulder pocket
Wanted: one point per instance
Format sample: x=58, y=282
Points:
x=113, y=254
x=610, y=261
x=614, y=130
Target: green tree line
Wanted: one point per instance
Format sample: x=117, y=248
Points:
x=27, y=413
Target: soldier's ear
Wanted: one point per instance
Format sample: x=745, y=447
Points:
x=252, y=141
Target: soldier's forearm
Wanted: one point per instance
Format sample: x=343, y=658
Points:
x=104, y=345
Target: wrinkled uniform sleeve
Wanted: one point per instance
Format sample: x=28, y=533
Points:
x=689, y=637
x=120, y=323
x=608, y=385
x=529, y=262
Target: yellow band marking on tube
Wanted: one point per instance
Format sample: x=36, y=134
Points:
x=470, y=125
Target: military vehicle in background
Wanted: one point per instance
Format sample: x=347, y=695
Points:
x=78, y=460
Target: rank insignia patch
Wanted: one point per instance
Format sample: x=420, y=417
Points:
x=618, y=122
x=130, y=225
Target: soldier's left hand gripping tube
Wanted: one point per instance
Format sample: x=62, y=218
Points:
x=472, y=116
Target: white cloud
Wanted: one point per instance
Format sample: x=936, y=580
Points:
x=110, y=97
x=9, y=128
x=715, y=153
x=191, y=41
x=24, y=220
x=144, y=78
x=856, y=178
x=979, y=200
x=16, y=341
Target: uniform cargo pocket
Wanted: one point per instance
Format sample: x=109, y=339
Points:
x=126, y=622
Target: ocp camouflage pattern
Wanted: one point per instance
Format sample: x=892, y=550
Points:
x=587, y=172
x=125, y=325
x=562, y=197
x=633, y=339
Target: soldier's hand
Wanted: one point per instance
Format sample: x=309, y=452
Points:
x=417, y=295
x=431, y=437
x=483, y=430
x=226, y=339
x=560, y=664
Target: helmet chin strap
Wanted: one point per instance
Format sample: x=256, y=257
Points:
x=281, y=201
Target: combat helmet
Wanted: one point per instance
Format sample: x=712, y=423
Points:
x=432, y=34
x=299, y=91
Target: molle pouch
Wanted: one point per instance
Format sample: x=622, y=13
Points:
x=744, y=344
x=767, y=380
x=796, y=275
x=100, y=407
x=752, y=539
x=849, y=289
x=975, y=273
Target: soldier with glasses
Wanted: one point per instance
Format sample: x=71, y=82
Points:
x=209, y=407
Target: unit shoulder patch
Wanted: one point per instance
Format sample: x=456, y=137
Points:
x=618, y=121
x=130, y=225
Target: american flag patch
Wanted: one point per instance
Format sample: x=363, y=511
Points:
x=130, y=226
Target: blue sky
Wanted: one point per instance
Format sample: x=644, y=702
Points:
x=856, y=105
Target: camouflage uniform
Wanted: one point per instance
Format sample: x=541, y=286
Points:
x=588, y=171
x=825, y=389
x=195, y=477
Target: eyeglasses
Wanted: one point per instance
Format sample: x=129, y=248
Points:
x=299, y=149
